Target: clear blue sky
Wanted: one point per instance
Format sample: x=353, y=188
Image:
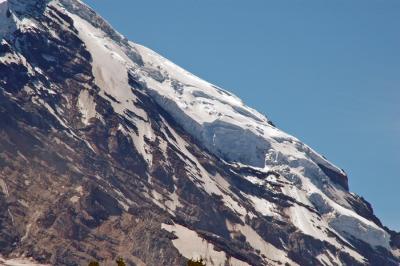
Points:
x=327, y=72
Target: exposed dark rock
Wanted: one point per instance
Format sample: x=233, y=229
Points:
x=335, y=176
x=73, y=191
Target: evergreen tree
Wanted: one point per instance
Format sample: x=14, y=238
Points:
x=120, y=262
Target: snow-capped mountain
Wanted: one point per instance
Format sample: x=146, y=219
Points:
x=108, y=149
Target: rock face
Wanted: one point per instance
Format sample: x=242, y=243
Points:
x=107, y=149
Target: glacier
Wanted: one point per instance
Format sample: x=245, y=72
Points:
x=225, y=126
x=268, y=174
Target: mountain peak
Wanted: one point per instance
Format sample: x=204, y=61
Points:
x=108, y=146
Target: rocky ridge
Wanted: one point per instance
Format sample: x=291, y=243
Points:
x=108, y=149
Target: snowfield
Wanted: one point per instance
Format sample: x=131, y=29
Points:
x=19, y=262
x=229, y=129
x=207, y=142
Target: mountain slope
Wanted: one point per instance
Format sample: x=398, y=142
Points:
x=108, y=149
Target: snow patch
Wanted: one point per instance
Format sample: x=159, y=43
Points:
x=110, y=66
x=19, y=262
x=173, y=203
x=350, y=225
x=192, y=246
x=327, y=258
x=227, y=128
x=87, y=106
x=110, y=69
x=256, y=242
x=262, y=206
x=4, y=187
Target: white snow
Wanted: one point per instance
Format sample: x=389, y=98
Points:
x=396, y=252
x=219, y=119
x=213, y=185
x=110, y=69
x=173, y=202
x=192, y=246
x=342, y=221
x=4, y=187
x=110, y=66
x=234, y=131
x=87, y=107
x=346, y=221
x=19, y=262
x=229, y=129
x=328, y=259
x=256, y=242
x=263, y=206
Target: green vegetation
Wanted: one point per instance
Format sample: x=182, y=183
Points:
x=196, y=263
x=120, y=262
